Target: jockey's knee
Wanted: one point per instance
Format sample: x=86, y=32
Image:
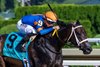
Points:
x=30, y=29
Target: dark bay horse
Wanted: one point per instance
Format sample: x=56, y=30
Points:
x=46, y=51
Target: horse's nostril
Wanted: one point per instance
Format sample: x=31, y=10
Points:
x=87, y=50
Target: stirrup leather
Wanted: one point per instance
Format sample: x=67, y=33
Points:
x=32, y=38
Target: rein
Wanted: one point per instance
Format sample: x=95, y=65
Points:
x=56, y=32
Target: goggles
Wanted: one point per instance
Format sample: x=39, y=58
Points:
x=50, y=21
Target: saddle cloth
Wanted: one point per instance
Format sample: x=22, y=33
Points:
x=12, y=47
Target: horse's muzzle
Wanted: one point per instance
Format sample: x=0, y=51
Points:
x=87, y=50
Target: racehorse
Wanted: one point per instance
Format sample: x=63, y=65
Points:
x=46, y=51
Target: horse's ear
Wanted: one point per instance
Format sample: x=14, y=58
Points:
x=78, y=22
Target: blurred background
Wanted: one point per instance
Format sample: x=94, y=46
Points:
x=86, y=11
x=7, y=6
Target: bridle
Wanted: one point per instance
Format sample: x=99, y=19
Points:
x=72, y=32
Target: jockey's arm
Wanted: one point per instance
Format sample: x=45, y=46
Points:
x=41, y=30
x=44, y=31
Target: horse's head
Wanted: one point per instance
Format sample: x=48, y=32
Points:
x=79, y=38
x=75, y=33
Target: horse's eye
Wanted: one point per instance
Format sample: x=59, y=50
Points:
x=78, y=33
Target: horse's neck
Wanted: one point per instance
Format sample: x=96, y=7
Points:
x=65, y=32
x=54, y=41
x=43, y=45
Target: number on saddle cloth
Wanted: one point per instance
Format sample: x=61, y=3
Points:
x=12, y=47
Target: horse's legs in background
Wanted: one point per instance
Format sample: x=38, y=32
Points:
x=2, y=63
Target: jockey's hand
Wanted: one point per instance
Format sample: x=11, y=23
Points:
x=56, y=27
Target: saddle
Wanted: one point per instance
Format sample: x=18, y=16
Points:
x=12, y=48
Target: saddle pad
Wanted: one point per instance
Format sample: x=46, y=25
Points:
x=12, y=47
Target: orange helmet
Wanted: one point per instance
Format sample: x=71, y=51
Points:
x=51, y=17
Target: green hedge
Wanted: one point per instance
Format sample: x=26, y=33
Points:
x=67, y=12
x=8, y=28
x=21, y=11
x=97, y=36
x=8, y=22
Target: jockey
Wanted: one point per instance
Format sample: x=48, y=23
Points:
x=37, y=23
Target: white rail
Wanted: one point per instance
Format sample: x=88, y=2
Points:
x=95, y=63
x=93, y=39
x=85, y=62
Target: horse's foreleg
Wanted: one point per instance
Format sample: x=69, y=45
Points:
x=2, y=63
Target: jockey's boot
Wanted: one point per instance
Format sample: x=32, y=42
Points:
x=26, y=39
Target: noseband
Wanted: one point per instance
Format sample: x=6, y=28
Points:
x=73, y=32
